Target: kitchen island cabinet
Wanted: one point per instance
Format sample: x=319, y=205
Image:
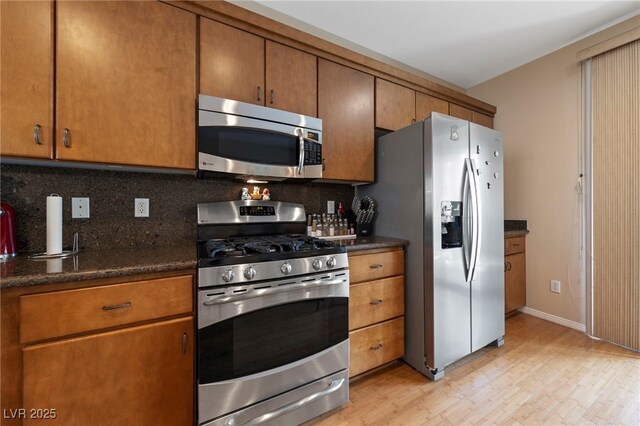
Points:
x=376, y=308
x=26, y=101
x=106, y=351
x=395, y=105
x=238, y=65
x=346, y=107
x=515, y=284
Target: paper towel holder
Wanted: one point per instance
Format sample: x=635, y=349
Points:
x=65, y=253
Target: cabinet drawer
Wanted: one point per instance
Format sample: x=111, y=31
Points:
x=61, y=313
x=367, y=267
x=375, y=301
x=513, y=245
x=376, y=345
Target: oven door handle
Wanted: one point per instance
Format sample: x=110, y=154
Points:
x=271, y=290
x=333, y=386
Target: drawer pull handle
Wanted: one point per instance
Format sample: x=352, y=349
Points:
x=184, y=343
x=36, y=134
x=376, y=347
x=113, y=307
x=378, y=266
x=376, y=302
x=516, y=245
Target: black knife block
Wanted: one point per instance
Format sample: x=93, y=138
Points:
x=364, y=229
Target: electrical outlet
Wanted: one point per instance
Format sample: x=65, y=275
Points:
x=79, y=208
x=331, y=207
x=555, y=286
x=141, y=207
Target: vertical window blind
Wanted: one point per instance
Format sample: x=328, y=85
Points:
x=615, y=106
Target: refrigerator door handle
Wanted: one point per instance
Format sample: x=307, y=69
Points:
x=472, y=221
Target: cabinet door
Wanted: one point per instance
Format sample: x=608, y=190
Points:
x=26, y=100
x=291, y=79
x=231, y=63
x=483, y=120
x=515, y=292
x=426, y=104
x=140, y=375
x=346, y=107
x=125, y=83
x=395, y=105
x=460, y=112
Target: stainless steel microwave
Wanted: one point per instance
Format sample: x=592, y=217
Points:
x=252, y=141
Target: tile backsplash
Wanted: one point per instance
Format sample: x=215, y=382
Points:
x=172, y=200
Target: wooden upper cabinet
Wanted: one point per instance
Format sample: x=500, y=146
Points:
x=426, y=104
x=483, y=120
x=26, y=64
x=395, y=105
x=231, y=63
x=291, y=77
x=346, y=107
x=125, y=83
x=460, y=112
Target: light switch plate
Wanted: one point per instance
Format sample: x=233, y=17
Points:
x=79, y=208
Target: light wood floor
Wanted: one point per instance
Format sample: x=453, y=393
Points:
x=544, y=374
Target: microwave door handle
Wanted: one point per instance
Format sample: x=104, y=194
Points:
x=301, y=144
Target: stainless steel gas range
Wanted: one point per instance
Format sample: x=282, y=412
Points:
x=273, y=343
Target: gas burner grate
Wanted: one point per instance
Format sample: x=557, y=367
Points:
x=264, y=245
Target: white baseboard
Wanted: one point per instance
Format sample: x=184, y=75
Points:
x=552, y=318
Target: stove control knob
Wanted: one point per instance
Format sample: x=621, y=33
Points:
x=228, y=276
x=250, y=273
x=331, y=262
x=285, y=268
x=317, y=264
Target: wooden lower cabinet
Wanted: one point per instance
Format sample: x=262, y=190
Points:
x=515, y=281
x=376, y=345
x=138, y=375
x=98, y=353
x=376, y=308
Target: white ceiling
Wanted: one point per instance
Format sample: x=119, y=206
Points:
x=462, y=42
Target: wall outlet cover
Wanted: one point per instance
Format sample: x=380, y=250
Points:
x=555, y=286
x=79, y=208
x=141, y=207
x=331, y=207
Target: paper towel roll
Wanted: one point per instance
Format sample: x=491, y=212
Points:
x=54, y=224
x=54, y=266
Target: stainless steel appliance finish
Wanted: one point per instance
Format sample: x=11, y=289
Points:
x=273, y=343
x=439, y=185
x=249, y=140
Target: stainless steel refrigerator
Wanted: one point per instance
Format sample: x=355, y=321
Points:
x=439, y=184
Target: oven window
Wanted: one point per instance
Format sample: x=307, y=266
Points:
x=250, y=145
x=270, y=337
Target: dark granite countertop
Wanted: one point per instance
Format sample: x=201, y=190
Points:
x=372, y=242
x=517, y=232
x=94, y=264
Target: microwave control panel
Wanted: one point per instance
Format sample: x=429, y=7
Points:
x=312, y=153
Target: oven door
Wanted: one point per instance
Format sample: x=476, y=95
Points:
x=261, y=340
x=250, y=147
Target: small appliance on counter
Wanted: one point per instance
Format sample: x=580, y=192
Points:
x=363, y=212
x=7, y=231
